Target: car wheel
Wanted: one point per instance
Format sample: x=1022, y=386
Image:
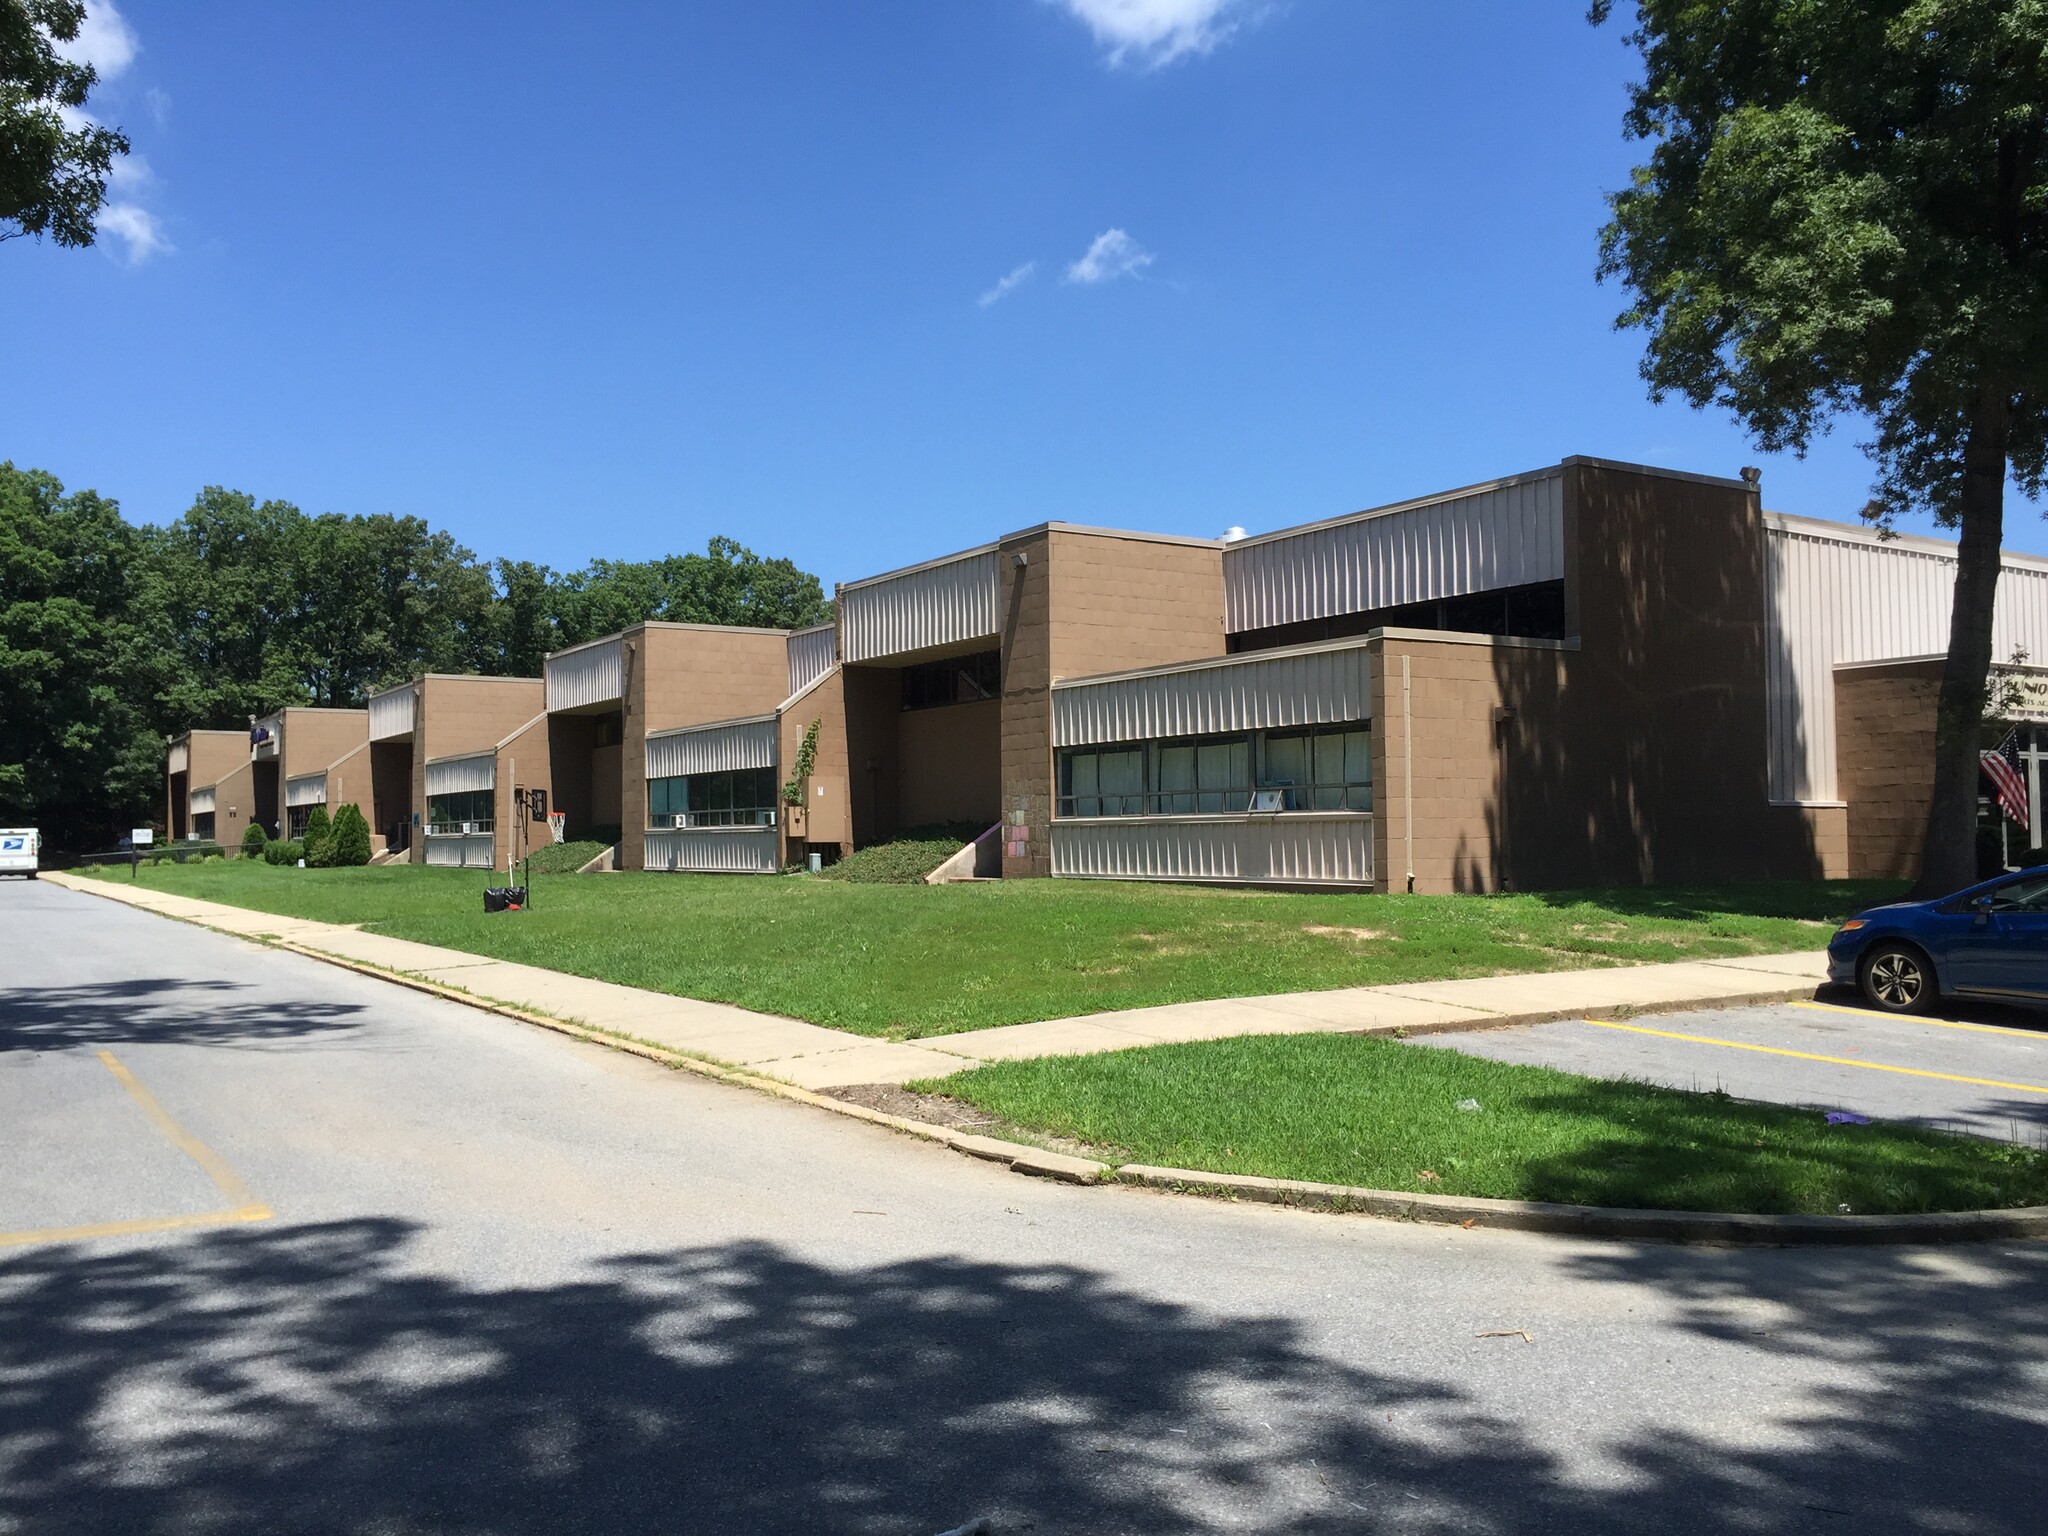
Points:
x=1898, y=979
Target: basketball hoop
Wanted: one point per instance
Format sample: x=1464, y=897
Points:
x=558, y=825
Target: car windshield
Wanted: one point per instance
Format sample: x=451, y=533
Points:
x=2026, y=895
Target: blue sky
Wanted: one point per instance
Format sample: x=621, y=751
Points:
x=856, y=283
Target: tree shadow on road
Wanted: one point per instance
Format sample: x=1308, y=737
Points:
x=314, y=1378
x=164, y=1010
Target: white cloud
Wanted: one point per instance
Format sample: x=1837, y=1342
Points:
x=1153, y=33
x=159, y=103
x=1113, y=254
x=135, y=224
x=105, y=41
x=109, y=45
x=1013, y=278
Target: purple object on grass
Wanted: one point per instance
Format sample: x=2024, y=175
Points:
x=1844, y=1117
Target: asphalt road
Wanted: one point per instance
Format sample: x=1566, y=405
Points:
x=475, y=1277
x=1979, y=1069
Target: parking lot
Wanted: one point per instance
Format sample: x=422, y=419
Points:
x=1982, y=1070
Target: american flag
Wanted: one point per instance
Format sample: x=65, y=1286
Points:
x=2002, y=768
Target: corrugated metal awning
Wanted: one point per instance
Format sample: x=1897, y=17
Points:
x=811, y=655
x=202, y=802
x=179, y=759
x=391, y=712
x=463, y=775
x=941, y=603
x=590, y=674
x=1324, y=684
x=308, y=789
x=1508, y=534
x=712, y=748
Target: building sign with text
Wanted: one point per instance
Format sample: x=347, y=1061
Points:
x=2017, y=695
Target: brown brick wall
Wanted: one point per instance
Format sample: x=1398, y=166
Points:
x=350, y=782
x=826, y=816
x=873, y=698
x=315, y=739
x=234, y=803
x=459, y=715
x=680, y=675
x=1116, y=603
x=1637, y=758
x=949, y=764
x=1884, y=757
x=1026, y=745
x=523, y=763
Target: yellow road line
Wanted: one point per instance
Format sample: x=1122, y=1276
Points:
x=1838, y=1061
x=225, y=1179
x=1914, y=1018
x=122, y=1228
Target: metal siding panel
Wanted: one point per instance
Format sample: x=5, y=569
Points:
x=180, y=759
x=1509, y=536
x=595, y=674
x=711, y=750
x=202, y=802
x=812, y=653
x=938, y=605
x=472, y=850
x=1320, y=688
x=1837, y=600
x=463, y=775
x=1287, y=850
x=715, y=851
x=307, y=789
x=391, y=714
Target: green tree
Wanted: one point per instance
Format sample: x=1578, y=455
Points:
x=727, y=584
x=77, y=755
x=53, y=163
x=348, y=840
x=1845, y=210
x=318, y=838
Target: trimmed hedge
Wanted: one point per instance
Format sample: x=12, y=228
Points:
x=254, y=839
x=283, y=851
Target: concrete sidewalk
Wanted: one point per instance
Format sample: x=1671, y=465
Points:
x=812, y=1056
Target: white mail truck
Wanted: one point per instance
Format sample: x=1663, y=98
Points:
x=18, y=849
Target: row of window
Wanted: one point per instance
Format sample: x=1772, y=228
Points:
x=469, y=807
x=737, y=797
x=1326, y=768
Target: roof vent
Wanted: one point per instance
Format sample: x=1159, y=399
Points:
x=1232, y=534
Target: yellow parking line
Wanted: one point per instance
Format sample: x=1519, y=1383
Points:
x=1914, y=1018
x=122, y=1228
x=242, y=1202
x=225, y=1179
x=1838, y=1061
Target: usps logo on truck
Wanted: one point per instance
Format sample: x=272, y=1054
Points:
x=18, y=849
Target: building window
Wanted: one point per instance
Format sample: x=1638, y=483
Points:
x=608, y=730
x=1322, y=768
x=295, y=819
x=467, y=810
x=956, y=680
x=738, y=797
x=202, y=826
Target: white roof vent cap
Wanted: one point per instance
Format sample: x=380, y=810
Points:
x=1232, y=534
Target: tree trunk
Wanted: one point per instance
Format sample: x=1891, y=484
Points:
x=1948, y=858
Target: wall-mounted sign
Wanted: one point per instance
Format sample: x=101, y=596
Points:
x=2019, y=695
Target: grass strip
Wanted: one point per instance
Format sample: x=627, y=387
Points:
x=904, y=961
x=1378, y=1114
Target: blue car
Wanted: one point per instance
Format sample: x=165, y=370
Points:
x=1990, y=941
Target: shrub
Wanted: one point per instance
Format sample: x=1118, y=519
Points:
x=280, y=851
x=906, y=860
x=348, y=841
x=254, y=839
x=319, y=838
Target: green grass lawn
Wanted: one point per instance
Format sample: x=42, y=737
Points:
x=1340, y=1109
x=906, y=961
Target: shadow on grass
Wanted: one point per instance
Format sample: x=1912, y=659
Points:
x=1711, y=1153
x=161, y=1010
x=311, y=1379
x=1824, y=901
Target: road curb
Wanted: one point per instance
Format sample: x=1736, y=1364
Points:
x=1681, y=1227
x=1720, y=1228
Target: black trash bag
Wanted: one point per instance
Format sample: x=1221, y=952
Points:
x=504, y=898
